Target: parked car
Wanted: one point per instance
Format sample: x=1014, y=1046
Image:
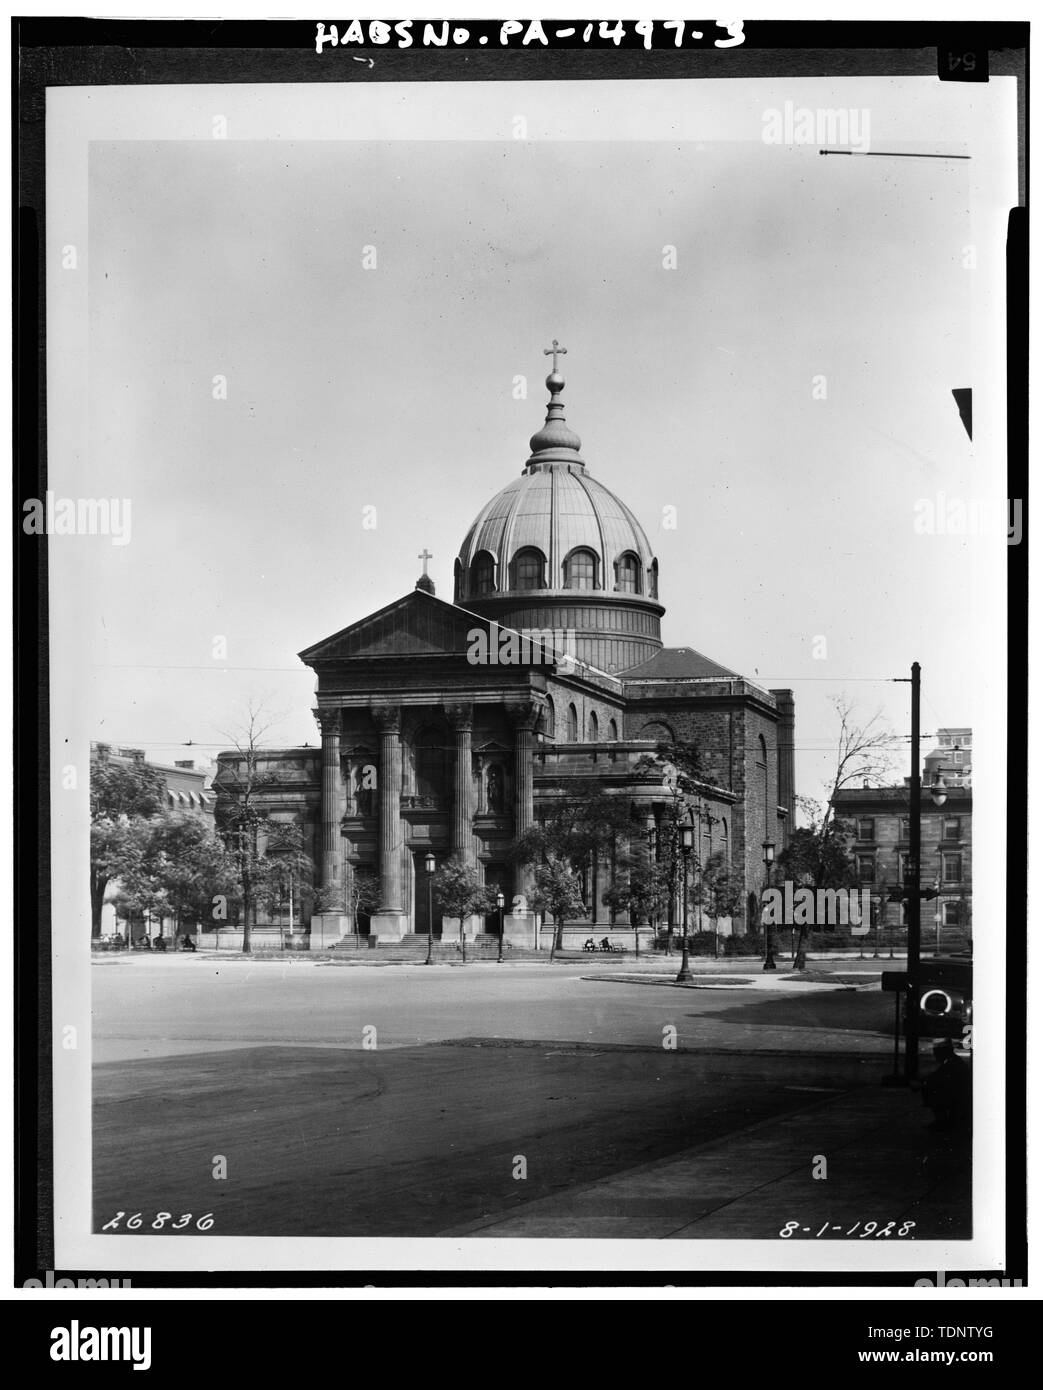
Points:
x=946, y=1000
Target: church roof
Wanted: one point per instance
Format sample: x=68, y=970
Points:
x=678, y=663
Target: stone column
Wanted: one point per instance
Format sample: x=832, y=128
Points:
x=462, y=840
x=329, y=724
x=523, y=716
x=388, y=719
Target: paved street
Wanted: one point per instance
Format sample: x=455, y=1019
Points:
x=520, y=1100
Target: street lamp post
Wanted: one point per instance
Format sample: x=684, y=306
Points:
x=429, y=869
x=687, y=841
x=769, y=955
x=499, y=905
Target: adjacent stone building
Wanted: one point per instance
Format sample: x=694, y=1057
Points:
x=448, y=728
x=878, y=821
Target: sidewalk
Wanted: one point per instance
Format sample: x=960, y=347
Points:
x=884, y=1164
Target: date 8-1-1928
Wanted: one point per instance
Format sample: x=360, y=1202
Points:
x=861, y=1229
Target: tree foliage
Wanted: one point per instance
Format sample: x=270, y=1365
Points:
x=557, y=892
x=460, y=891
x=716, y=891
x=122, y=799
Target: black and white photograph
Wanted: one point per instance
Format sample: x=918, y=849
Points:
x=528, y=544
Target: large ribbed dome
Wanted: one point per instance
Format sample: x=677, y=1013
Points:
x=556, y=511
x=556, y=548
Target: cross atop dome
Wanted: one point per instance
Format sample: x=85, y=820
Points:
x=554, y=351
x=555, y=443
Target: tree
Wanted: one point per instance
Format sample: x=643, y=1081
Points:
x=461, y=893
x=191, y=865
x=556, y=890
x=641, y=887
x=716, y=892
x=240, y=813
x=364, y=895
x=864, y=754
x=817, y=856
x=585, y=825
x=122, y=798
x=282, y=871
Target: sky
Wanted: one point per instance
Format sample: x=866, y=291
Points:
x=785, y=386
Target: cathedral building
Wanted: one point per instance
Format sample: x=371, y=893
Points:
x=450, y=728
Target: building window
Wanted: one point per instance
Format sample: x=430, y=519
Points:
x=865, y=828
x=866, y=868
x=528, y=569
x=653, y=579
x=613, y=732
x=592, y=727
x=951, y=915
x=628, y=572
x=903, y=828
x=549, y=725
x=581, y=570
x=906, y=867
x=951, y=829
x=952, y=868
x=573, y=725
x=482, y=574
x=957, y=757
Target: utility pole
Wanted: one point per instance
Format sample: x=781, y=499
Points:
x=912, y=886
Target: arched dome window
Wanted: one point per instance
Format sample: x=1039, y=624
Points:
x=592, y=727
x=613, y=731
x=573, y=725
x=628, y=574
x=483, y=573
x=458, y=580
x=581, y=569
x=528, y=569
x=653, y=580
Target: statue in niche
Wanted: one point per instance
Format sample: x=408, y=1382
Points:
x=494, y=789
x=364, y=782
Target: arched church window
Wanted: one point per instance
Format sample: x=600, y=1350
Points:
x=613, y=731
x=482, y=573
x=573, y=725
x=581, y=570
x=549, y=724
x=592, y=727
x=628, y=572
x=529, y=568
x=658, y=729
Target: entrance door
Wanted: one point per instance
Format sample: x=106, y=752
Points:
x=498, y=879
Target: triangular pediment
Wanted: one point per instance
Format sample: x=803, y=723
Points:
x=414, y=626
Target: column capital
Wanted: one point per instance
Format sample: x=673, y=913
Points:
x=523, y=714
x=460, y=716
x=328, y=720
x=388, y=718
